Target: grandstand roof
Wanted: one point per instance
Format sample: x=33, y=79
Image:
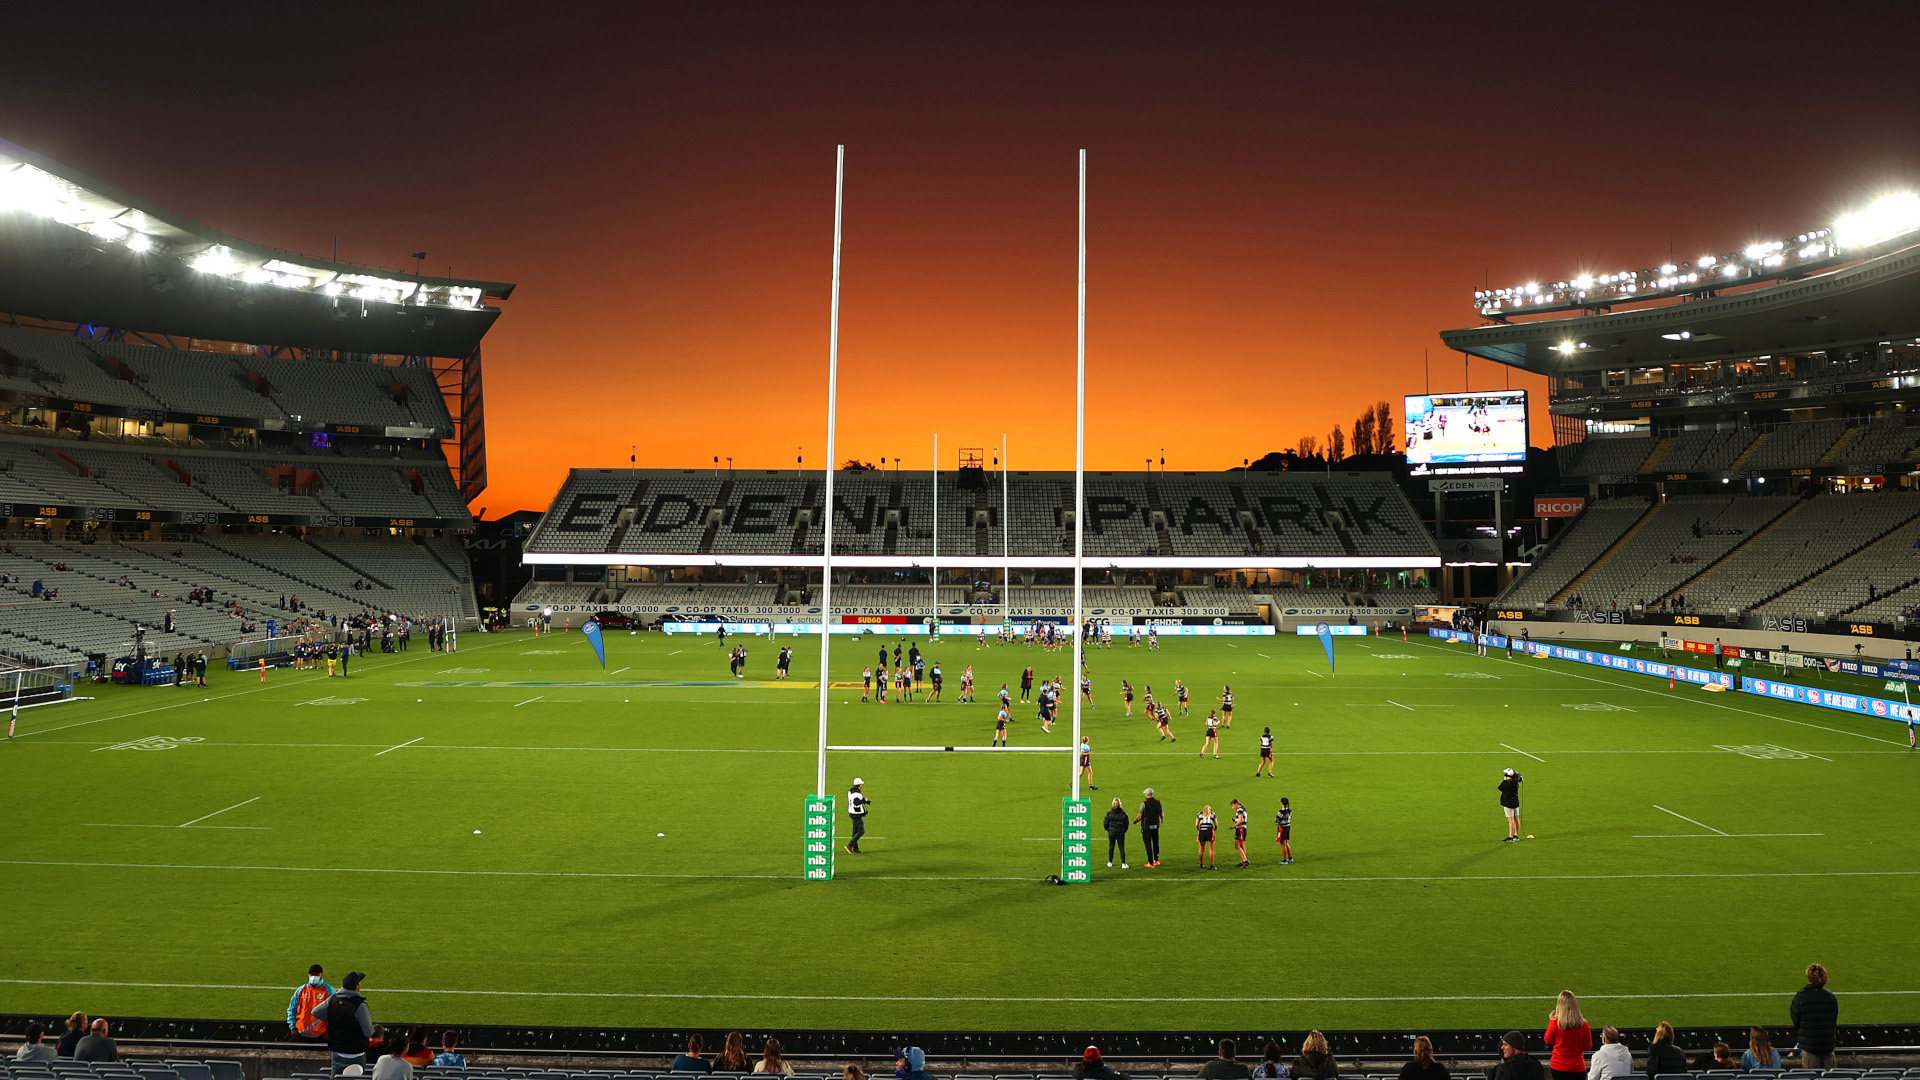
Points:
x=1874, y=300
x=77, y=250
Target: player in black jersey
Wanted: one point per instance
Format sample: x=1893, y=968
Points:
x=1180, y=692
x=1126, y=695
x=1226, y=706
x=1266, y=753
x=1240, y=834
x=1283, y=831
x=1213, y=737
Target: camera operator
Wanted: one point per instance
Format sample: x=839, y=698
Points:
x=1510, y=803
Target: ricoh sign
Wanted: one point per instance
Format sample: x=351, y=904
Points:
x=1558, y=506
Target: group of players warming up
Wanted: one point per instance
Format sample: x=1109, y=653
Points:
x=911, y=667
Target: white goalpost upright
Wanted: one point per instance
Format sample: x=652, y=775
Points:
x=819, y=817
x=933, y=628
x=1076, y=814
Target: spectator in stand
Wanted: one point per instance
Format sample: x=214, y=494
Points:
x=733, y=1057
x=854, y=1072
x=1613, y=1059
x=1663, y=1056
x=911, y=1064
x=35, y=1049
x=393, y=1067
x=1423, y=1066
x=1224, y=1067
x=417, y=1053
x=771, y=1063
x=1515, y=1062
x=691, y=1061
x=1718, y=1059
x=70, y=1038
x=1569, y=1037
x=450, y=1056
x=1816, y=1020
x=1316, y=1058
x=349, y=1022
x=1270, y=1067
x=97, y=1046
x=1760, y=1055
x=1092, y=1066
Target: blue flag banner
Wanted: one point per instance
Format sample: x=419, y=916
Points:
x=1326, y=642
x=592, y=630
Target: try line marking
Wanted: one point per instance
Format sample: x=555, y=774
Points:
x=624, y=875
x=1676, y=995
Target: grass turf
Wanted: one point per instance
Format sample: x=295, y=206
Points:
x=350, y=808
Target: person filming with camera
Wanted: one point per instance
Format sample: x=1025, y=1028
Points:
x=1510, y=803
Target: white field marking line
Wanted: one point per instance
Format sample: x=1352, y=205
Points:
x=629, y=667
x=1275, y=880
x=530, y=700
x=1717, y=836
x=1809, y=754
x=1390, y=701
x=1523, y=753
x=1688, y=820
x=117, y=825
x=402, y=746
x=1231, y=645
x=958, y=749
x=1697, y=701
x=1313, y=673
x=637, y=994
x=776, y=750
x=676, y=652
x=217, y=813
x=178, y=704
x=1263, y=654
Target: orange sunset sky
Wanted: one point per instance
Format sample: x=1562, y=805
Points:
x=1286, y=206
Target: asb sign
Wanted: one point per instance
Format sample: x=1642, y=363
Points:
x=1558, y=506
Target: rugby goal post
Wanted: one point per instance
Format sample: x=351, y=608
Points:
x=1076, y=812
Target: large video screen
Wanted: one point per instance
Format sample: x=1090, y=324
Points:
x=1482, y=426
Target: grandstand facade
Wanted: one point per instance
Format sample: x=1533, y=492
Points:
x=197, y=425
x=1237, y=545
x=1747, y=441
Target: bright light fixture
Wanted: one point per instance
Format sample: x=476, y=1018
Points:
x=1681, y=336
x=217, y=259
x=140, y=242
x=1881, y=220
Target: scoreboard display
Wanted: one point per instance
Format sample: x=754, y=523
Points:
x=1468, y=428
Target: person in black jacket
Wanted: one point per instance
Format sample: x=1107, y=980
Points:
x=1116, y=823
x=1663, y=1056
x=1149, y=817
x=1816, y=1020
x=349, y=1023
x=1515, y=1062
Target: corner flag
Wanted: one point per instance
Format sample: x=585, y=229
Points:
x=592, y=630
x=1326, y=642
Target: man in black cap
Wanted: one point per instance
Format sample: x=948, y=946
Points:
x=1515, y=1062
x=349, y=1024
x=1149, y=819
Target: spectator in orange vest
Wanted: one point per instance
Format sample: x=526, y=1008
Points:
x=300, y=1018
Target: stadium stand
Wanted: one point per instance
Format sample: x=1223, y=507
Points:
x=1812, y=536
x=1677, y=540
x=690, y=512
x=1576, y=549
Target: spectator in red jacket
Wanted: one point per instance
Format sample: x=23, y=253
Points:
x=1569, y=1037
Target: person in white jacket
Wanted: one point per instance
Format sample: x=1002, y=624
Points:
x=1613, y=1059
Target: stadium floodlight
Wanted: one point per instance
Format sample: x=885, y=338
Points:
x=217, y=260
x=1889, y=218
x=140, y=242
x=1880, y=220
